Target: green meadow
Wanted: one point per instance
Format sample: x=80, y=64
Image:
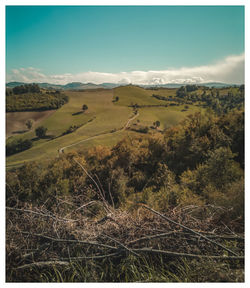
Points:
x=168, y=116
x=136, y=95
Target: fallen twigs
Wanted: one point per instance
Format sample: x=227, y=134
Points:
x=33, y=243
x=189, y=229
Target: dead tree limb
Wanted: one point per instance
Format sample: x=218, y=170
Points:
x=97, y=186
x=177, y=254
x=42, y=264
x=122, y=245
x=91, y=257
x=41, y=214
x=85, y=205
x=150, y=237
x=69, y=240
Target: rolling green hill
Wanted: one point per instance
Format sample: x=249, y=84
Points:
x=168, y=116
x=104, y=121
x=129, y=95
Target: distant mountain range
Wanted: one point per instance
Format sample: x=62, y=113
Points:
x=80, y=86
x=178, y=85
x=69, y=86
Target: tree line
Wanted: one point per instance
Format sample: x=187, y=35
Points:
x=30, y=97
x=18, y=145
x=218, y=99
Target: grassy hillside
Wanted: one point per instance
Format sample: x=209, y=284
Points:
x=102, y=116
x=168, y=116
x=136, y=95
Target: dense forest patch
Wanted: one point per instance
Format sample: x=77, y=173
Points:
x=30, y=97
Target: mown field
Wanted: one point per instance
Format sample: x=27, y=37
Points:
x=104, y=119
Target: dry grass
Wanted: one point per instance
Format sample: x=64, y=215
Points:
x=15, y=121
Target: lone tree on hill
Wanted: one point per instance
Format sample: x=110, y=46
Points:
x=157, y=124
x=84, y=107
x=29, y=123
x=41, y=131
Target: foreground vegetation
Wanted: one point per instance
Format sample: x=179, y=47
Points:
x=135, y=246
x=166, y=206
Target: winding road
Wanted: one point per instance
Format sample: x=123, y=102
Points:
x=93, y=137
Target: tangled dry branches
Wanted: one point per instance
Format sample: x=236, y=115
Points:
x=36, y=237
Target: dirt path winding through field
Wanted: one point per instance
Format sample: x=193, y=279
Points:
x=61, y=150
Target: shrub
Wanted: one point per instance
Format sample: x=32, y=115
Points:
x=29, y=123
x=17, y=146
x=84, y=107
x=142, y=129
x=71, y=129
x=41, y=131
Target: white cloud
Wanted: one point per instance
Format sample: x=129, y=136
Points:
x=124, y=81
x=228, y=70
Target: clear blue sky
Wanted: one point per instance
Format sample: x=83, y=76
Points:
x=74, y=39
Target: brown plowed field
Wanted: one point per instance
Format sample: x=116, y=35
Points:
x=15, y=121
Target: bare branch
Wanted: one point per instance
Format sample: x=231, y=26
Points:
x=85, y=205
x=43, y=264
x=122, y=245
x=41, y=214
x=111, y=197
x=91, y=257
x=170, y=253
x=69, y=240
x=97, y=186
x=161, y=235
x=150, y=237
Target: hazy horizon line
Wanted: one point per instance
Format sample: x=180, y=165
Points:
x=227, y=70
